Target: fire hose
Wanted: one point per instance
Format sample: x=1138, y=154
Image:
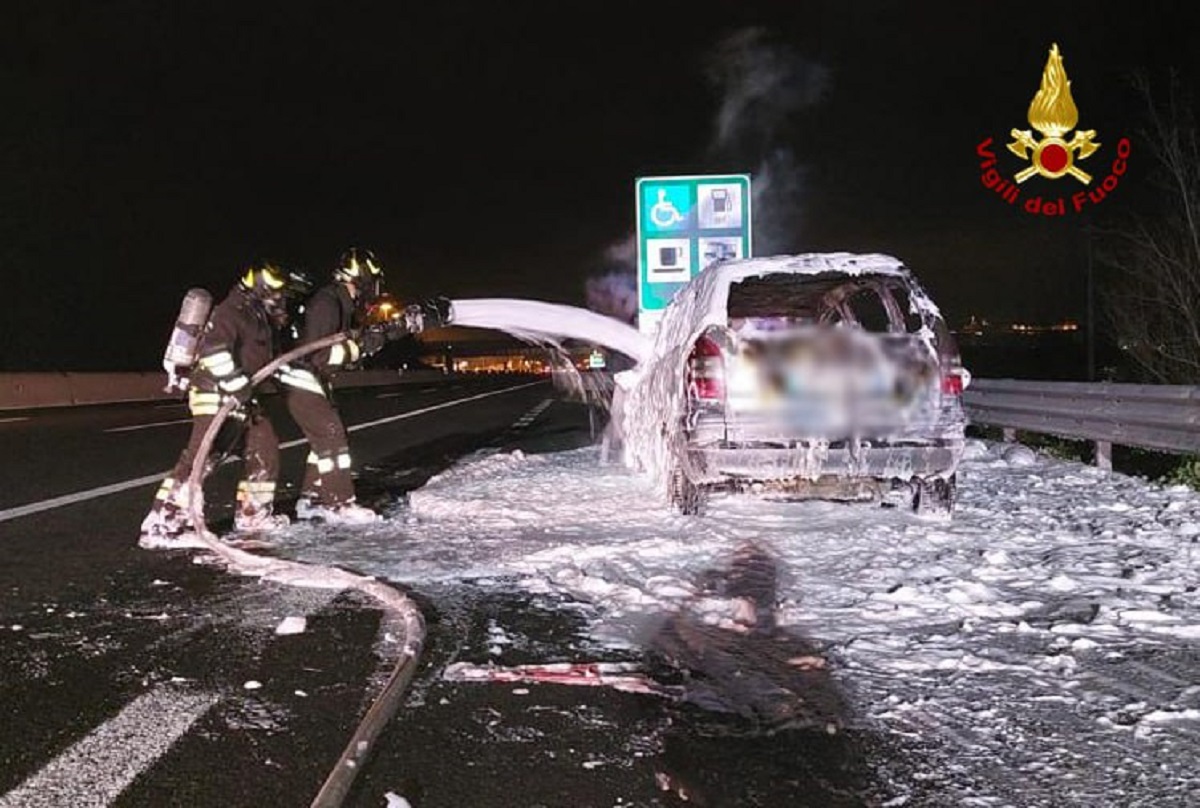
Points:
x=337, y=785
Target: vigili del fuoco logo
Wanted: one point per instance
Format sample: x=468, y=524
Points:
x=1053, y=156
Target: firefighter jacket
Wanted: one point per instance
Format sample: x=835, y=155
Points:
x=237, y=342
x=329, y=311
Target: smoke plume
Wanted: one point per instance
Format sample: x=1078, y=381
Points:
x=763, y=87
x=613, y=289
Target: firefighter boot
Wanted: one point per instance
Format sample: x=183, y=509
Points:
x=255, y=510
x=347, y=513
x=169, y=526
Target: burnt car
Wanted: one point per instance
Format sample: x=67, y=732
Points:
x=825, y=375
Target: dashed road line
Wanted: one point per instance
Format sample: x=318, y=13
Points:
x=100, y=766
x=14, y=419
x=520, y=425
x=138, y=482
x=531, y=416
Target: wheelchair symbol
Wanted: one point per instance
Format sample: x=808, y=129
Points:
x=664, y=213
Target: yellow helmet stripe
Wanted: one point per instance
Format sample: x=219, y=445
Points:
x=273, y=277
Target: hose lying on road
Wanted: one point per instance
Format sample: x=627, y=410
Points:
x=337, y=784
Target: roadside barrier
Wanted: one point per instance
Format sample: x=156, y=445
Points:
x=1165, y=417
x=27, y=391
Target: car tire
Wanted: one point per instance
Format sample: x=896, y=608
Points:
x=686, y=497
x=898, y=493
x=936, y=496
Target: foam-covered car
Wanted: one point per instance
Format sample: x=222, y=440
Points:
x=825, y=375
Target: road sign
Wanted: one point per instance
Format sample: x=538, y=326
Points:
x=685, y=224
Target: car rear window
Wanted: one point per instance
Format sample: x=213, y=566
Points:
x=796, y=297
x=823, y=298
x=869, y=310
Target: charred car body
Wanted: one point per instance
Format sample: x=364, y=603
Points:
x=826, y=375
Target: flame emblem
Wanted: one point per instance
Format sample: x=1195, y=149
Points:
x=1053, y=113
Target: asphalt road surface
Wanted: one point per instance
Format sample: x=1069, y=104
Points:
x=135, y=678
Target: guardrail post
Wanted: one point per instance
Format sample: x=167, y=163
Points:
x=1104, y=455
x=1010, y=435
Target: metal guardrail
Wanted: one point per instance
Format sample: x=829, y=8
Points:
x=1151, y=416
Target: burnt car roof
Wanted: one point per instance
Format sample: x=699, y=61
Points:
x=843, y=263
x=801, y=296
x=705, y=300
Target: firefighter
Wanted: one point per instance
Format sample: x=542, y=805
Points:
x=327, y=492
x=240, y=337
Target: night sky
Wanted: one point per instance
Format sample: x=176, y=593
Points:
x=490, y=149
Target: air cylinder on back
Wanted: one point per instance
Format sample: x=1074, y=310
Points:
x=185, y=339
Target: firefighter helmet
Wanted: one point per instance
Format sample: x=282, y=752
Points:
x=359, y=267
x=265, y=280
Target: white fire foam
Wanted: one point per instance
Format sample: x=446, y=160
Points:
x=538, y=321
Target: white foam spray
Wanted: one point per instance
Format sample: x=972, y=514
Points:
x=547, y=323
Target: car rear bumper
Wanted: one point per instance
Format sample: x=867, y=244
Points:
x=811, y=461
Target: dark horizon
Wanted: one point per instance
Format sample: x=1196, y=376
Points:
x=492, y=152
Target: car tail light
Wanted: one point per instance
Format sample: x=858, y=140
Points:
x=954, y=381
x=706, y=370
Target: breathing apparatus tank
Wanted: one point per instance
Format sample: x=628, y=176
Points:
x=185, y=338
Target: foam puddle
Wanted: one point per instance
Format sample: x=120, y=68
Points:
x=1041, y=632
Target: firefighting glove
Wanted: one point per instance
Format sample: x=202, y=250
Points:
x=396, y=329
x=414, y=319
x=371, y=341
x=237, y=388
x=438, y=311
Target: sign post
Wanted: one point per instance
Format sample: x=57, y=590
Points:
x=685, y=224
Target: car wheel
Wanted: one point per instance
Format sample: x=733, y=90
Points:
x=898, y=493
x=936, y=496
x=686, y=497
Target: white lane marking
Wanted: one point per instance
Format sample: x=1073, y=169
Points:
x=81, y=496
x=521, y=423
x=398, y=393
x=14, y=419
x=136, y=427
x=531, y=416
x=170, y=406
x=435, y=407
x=105, y=490
x=100, y=766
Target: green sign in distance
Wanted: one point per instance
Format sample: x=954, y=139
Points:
x=685, y=224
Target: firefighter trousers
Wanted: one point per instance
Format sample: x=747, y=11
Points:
x=259, y=447
x=327, y=479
